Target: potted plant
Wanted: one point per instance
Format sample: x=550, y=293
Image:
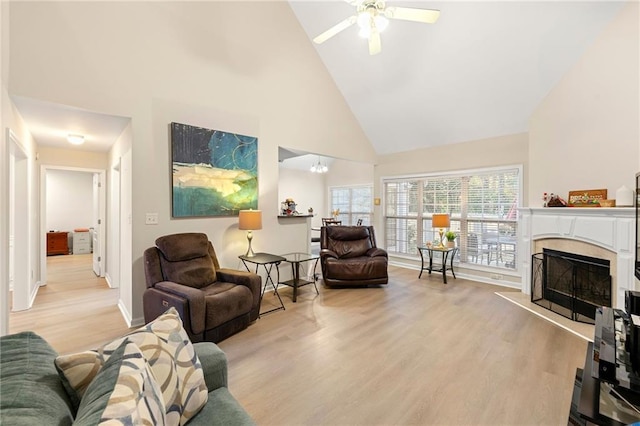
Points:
x=451, y=236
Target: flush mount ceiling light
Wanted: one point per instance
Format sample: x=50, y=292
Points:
x=372, y=16
x=75, y=139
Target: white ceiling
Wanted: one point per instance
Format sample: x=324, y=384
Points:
x=50, y=124
x=478, y=72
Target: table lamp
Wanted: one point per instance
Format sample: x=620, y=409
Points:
x=440, y=221
x=250, y=220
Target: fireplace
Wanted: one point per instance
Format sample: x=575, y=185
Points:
x=599, y=232
x=570, y=284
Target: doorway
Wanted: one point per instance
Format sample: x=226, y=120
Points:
x=83, y=209
x=20, y=276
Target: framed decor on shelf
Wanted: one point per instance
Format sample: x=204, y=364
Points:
x=214, y=173
x=587, y=198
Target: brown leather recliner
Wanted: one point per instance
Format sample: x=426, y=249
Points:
x=182, y=271
x=349, y=256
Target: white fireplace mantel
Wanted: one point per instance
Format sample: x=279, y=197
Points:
x=612, y=229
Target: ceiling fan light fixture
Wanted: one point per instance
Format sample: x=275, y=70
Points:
x=372, y=17
x=381, y=22
x=369, y=19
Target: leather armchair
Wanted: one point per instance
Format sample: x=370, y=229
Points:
x=182, y=271
x=349, y=256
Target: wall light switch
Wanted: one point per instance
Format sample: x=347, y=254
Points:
x=151, y=219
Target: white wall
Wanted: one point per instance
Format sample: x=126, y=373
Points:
x=4, y=176
x=220, y=65
x=307, y=190
x=69, y=200
x=586, y=132
x=61, y=157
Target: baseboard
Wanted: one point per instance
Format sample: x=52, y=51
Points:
x=34, y=294
x=138, y=322
x=476, y=278
x=125, y=313
x=107, y=278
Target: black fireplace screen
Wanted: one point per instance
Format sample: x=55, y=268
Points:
x=569, y=284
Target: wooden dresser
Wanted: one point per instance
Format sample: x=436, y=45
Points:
x=57, y=243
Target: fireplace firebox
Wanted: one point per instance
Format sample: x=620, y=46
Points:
x=570, y=284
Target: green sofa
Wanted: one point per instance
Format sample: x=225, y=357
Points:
x=32, y=393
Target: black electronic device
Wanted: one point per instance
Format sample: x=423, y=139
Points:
x=633, y=342
x=632, y=302
x=637, y=265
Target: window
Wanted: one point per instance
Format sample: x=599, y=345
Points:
x=353, y=202
x=482, y=205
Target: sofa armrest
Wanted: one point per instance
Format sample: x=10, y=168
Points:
x=195, y=298
x=214, y=364
x=328, y=253
x=248, y=279
x=375, y=251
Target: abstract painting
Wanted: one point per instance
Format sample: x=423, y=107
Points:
x=215, y=173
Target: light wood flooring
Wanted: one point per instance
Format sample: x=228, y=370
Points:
x=76, y=310
x=415, y=352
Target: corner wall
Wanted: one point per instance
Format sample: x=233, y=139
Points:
x=586, y=132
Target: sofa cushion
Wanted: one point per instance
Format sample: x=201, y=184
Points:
x=360, y=268
x=196, y=273
x=224, y=302
x=348, y=241
x=31, y=392
x=166, y=346
x=185, y=259
x=222, y=409
x=124, y=392
x=185, y=246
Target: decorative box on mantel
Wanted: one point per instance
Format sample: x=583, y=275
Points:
x=600, y=232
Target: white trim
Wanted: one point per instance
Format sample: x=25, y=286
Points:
x=125, y=313
x=463, y=172
x=545, y=318
x=20, y=216
x=458, y=173
x=107, y=278
x=43, y=211
x=460, y=275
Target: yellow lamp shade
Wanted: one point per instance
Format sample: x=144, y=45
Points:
x=440, y=221
x=250, y=220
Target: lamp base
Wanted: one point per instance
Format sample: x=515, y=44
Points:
x=249, y=252
x=441, y=231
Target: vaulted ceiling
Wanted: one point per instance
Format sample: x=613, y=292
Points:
x=479, y=71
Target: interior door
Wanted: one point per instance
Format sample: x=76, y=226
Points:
x=98, y=257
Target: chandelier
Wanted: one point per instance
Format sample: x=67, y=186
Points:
x=319, y=167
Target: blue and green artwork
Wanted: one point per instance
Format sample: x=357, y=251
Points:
x=215, y=173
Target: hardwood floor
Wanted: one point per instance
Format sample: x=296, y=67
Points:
x=415, y=352
x=76, y=310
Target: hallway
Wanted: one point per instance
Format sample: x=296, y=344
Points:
x=76, y=310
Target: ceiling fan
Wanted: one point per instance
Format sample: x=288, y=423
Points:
x=371, y=16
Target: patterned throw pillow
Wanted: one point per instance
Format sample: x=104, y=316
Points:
x=166, y=346
x=124, y=392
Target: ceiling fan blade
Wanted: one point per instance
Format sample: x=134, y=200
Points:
x=375, y=46
x=427, y=16
x=343, y=25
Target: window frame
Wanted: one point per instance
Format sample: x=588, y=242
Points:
x=421, y=218
x=347, y=217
